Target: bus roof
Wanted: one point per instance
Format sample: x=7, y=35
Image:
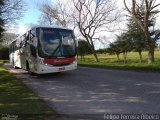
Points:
x=44, y=26
x=41, y=26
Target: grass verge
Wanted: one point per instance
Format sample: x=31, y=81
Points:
x=133, y=64
x=18, y=99
x=131, y=67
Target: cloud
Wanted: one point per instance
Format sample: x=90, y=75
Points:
x=18, y=29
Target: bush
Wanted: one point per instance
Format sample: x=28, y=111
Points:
x=4, y=53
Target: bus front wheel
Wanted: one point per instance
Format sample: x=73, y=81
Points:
x=28, y=69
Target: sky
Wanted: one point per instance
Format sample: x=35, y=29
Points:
x=32, y=14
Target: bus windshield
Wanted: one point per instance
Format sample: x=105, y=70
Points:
x=57, y=43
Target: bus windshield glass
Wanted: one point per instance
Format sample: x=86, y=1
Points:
x=57, y=43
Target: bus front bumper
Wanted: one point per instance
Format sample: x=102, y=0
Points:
x=45, y=68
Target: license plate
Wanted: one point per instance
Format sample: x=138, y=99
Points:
x=62, y=68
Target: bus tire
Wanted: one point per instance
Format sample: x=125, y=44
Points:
x=15, y=67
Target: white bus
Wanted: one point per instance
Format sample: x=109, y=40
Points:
x=44, y=50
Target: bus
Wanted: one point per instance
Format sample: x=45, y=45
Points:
x=44, y=50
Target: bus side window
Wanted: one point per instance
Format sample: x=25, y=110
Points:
x=33, y=42
x=32, y=34
x=33, y=37
x=33, y=50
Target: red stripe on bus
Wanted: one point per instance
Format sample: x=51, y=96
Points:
x=19, y=53
x=59, y=61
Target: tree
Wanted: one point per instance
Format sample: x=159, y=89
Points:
x=114, y=48
x=137, y=37
x=10, y=11
x=83, y=48
x=143, y=18
x=7, y=38
x=1, y=20
x=56, y=14
x=125, y=44
x=45, y=17
x=92, y=17
x=1, y=27
x=4, y=52
x=101, y=51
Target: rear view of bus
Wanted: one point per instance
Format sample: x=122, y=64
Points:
x=46, y=50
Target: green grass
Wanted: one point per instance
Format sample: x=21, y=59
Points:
x=133, y=64
x=17, y=99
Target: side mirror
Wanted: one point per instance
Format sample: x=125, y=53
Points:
x=34, y=41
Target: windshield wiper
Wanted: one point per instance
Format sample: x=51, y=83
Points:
x=55, y=50
x=60, y=42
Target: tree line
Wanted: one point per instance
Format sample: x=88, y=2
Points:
x=133, y=40
x=91, y=18
x=10, y=11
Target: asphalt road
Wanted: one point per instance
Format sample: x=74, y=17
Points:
x=96, y=92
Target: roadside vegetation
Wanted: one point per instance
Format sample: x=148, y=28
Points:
x=17, y=99
x=132, y=62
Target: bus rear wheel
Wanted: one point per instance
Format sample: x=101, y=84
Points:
x=15, y=67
